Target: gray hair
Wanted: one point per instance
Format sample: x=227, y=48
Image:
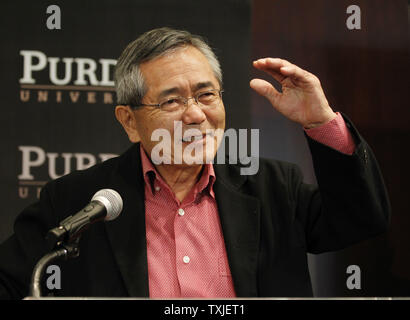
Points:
x=129, y=82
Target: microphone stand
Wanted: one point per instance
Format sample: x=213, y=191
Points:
x=61, y=250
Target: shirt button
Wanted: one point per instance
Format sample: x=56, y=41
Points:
x=157, y=188
x=181, y=212
x=186, y=259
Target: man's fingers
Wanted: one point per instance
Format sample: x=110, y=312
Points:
x=281, y=69
x=274, y=71
x=295, y=73
x=265, y=89
x=271, y=64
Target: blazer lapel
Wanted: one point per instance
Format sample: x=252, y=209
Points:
x=240, y=221
x=127, y=232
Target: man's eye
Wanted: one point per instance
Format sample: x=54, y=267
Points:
x=171, y=101
x=207, y=94
x=171, y=104
x=207, y=97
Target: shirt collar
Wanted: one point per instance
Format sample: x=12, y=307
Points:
x=151, y=174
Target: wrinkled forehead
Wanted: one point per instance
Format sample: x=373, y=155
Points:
x=182, y=69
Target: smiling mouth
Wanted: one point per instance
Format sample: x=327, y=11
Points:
x=197, y=138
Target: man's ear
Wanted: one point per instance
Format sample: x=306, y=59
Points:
x=128, y=120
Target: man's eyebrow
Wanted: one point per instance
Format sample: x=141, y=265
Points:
x=202, y=85
x=176, y=90
x=167, y=92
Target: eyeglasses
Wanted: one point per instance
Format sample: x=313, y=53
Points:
x=205, y=99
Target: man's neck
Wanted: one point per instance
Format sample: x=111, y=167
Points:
x=181, y=179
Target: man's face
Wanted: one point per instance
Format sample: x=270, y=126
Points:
x=184, y=72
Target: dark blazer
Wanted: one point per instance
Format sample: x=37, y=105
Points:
x=269, y=220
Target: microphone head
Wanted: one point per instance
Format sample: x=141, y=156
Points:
x=112, y=201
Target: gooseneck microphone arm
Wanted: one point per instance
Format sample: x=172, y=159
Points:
x=65, y=252
x=35, y=287
x=62, y=251
x=64, y=239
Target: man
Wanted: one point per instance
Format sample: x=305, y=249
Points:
x=197, y=229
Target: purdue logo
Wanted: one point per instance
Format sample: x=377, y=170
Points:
x=69, y=79
x=39, y=166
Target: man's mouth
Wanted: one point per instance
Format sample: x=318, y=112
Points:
x=196, y=138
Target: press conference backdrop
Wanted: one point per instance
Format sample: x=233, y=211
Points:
x=57, y=89
x=58, y=97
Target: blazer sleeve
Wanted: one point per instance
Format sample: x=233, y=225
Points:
x=350, y=203
x=20, y=252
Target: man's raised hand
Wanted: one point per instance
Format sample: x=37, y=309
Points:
x=302, y=99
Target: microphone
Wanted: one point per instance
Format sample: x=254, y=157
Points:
x=106, y=204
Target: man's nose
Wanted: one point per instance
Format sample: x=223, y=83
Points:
x=193, y=113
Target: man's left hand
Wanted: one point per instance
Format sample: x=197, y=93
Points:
x=302, y=99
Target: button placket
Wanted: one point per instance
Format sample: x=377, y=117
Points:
x=182, y=248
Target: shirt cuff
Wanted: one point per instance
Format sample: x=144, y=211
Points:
x=334, y=134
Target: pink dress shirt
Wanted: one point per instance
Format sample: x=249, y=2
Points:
x=185, y=245
x=334, y=134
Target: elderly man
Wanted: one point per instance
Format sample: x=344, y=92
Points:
x=198, y=229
